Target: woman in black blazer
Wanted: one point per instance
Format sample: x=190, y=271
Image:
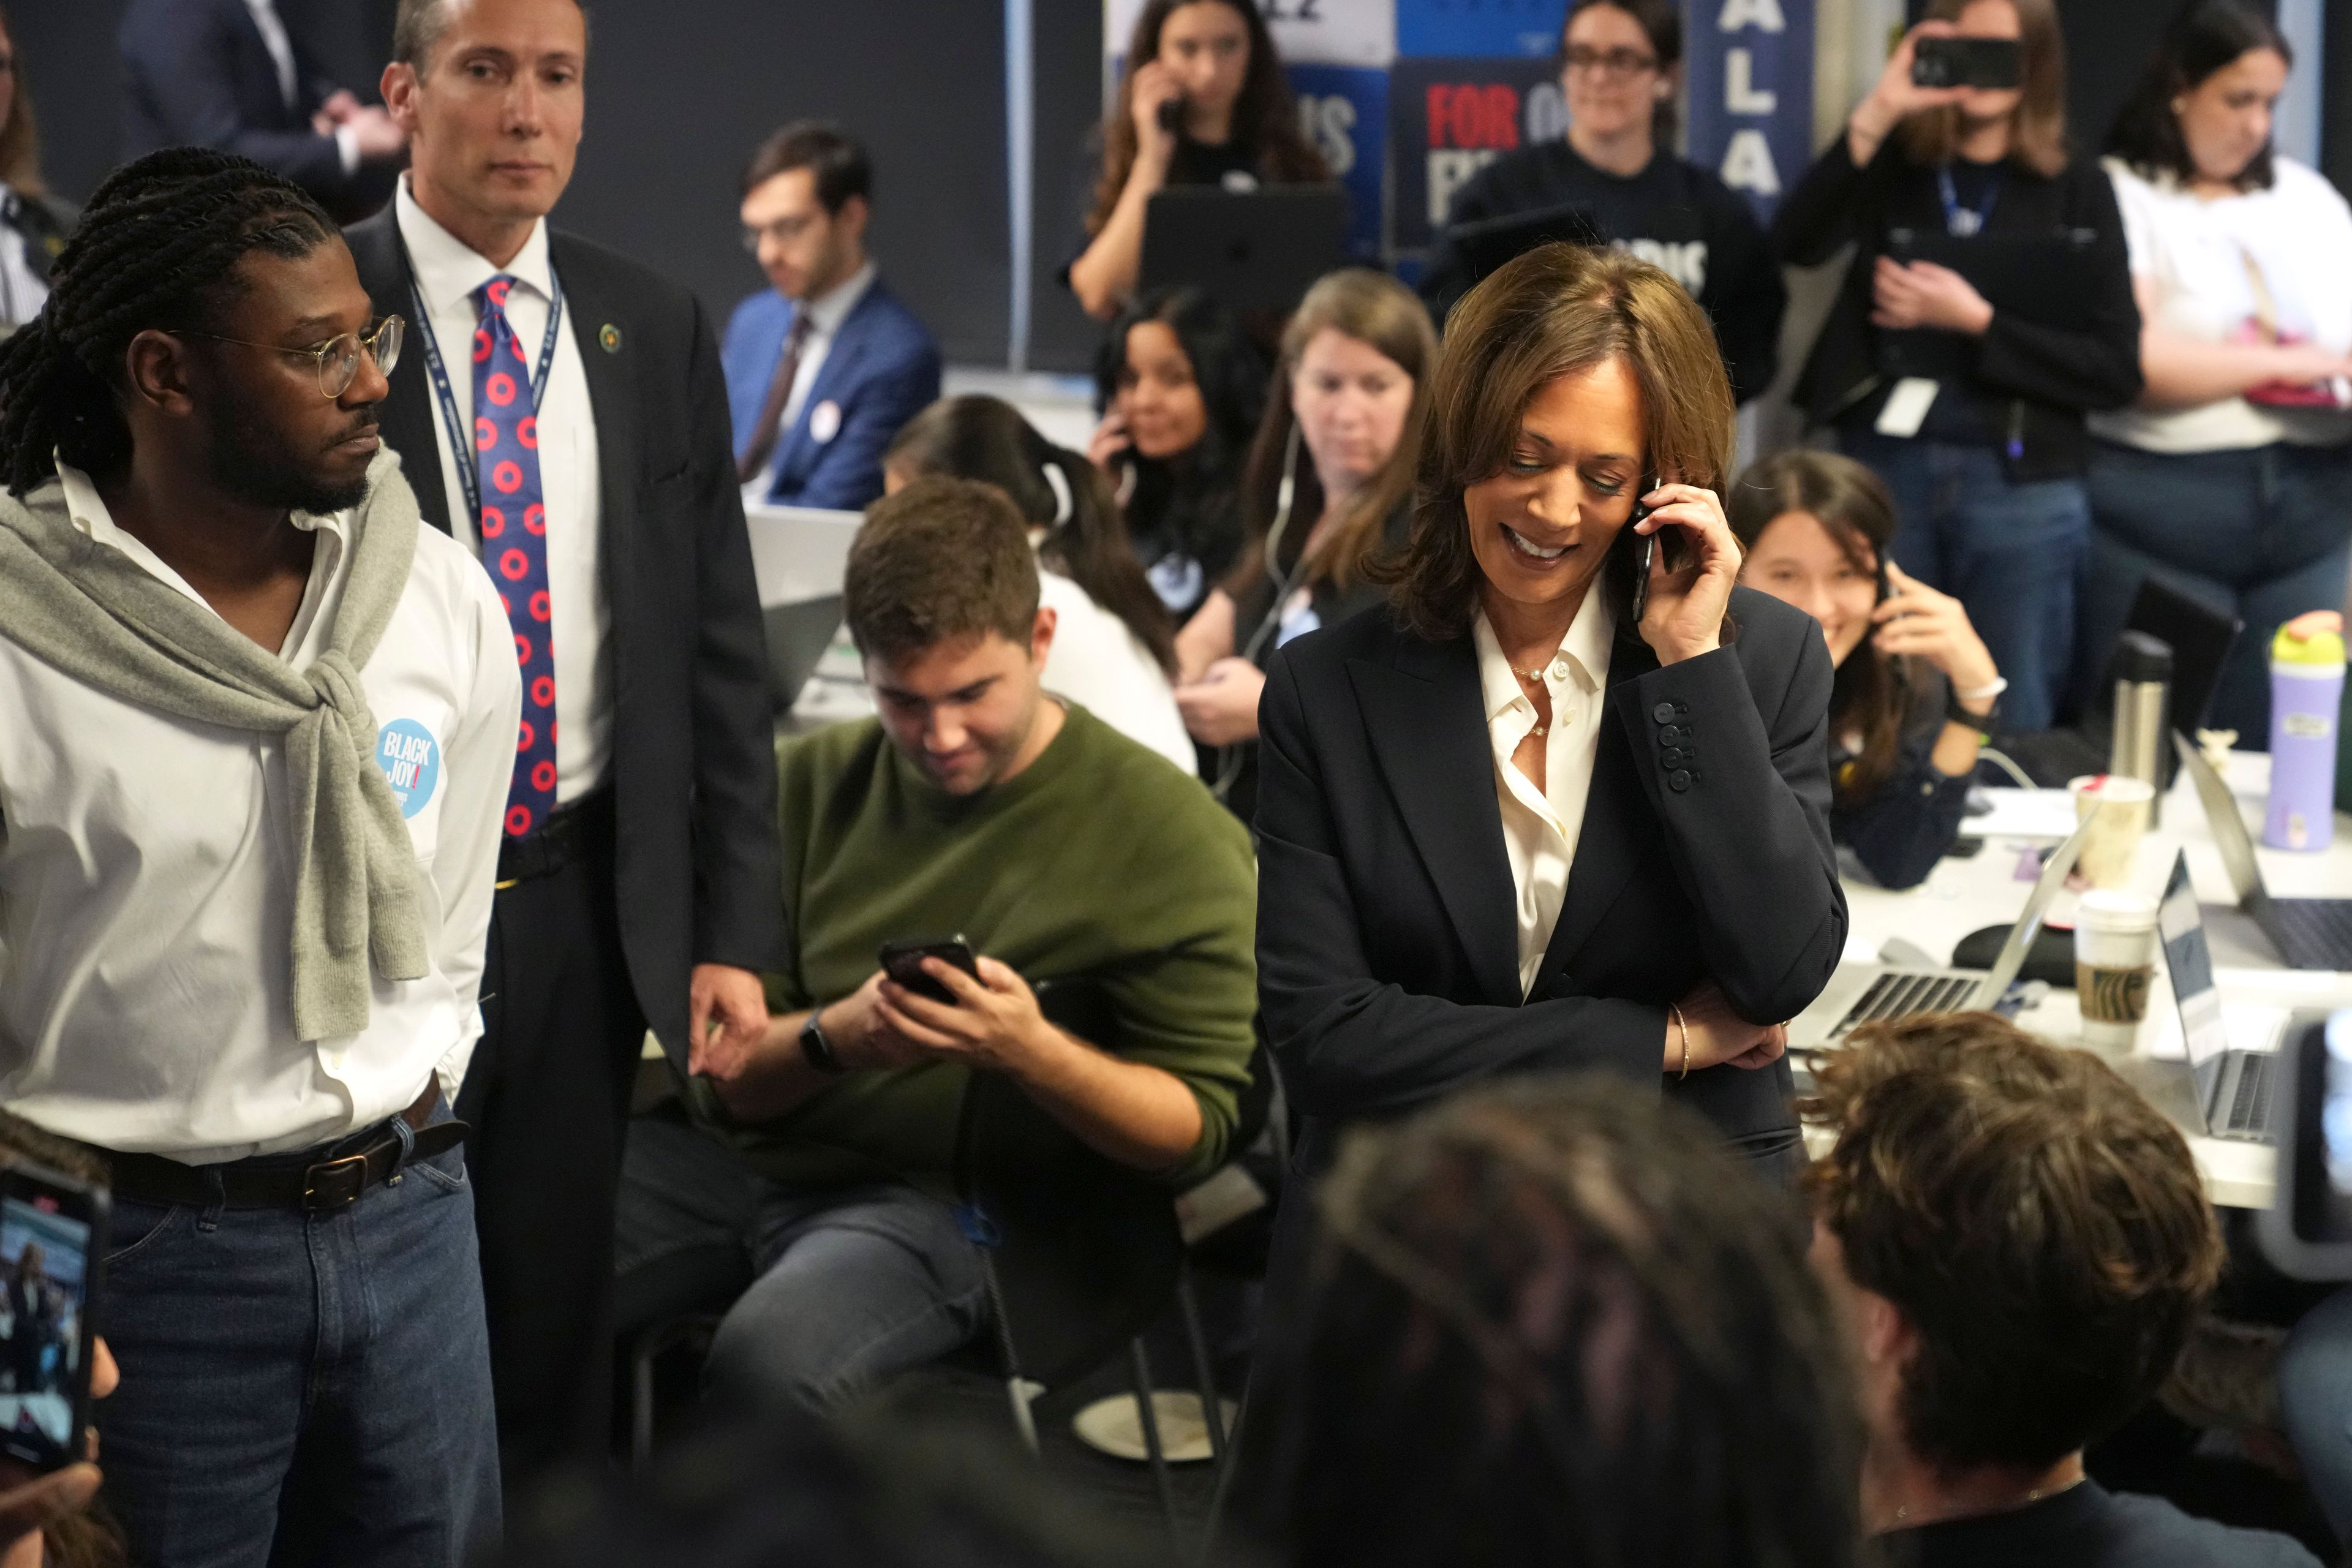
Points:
x=1419, y=927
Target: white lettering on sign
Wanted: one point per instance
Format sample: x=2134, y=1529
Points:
x=1450, y=169
x=1684, y=261
x=1329, y=122
x=1748, y=164
x=1740, y=93
x=1738, y=14
x=1546, y=115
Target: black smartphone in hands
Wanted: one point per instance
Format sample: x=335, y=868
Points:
x=903, y=962
x=1968, y=62
x=1646, y=549
x=53, y=1246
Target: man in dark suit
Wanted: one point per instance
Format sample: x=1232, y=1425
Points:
x=825, y=367
x=565, y=414
x=228, y=74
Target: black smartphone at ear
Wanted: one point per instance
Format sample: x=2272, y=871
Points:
x=1885, y=589
x=903, y=961
x=53, y=1246
x=1968, y=62
x=1172, y=113
x=1645, y=552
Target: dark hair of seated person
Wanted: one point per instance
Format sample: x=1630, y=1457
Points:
x=2039, y=1223
x=2204, y=36
x=1871, y=693
x=858, y=1492
x=1552, y=1322
x=1192, y=499
x=838, y=166
x=985, y=438
x=942, y=560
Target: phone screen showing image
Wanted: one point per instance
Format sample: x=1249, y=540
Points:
x=52, y=1236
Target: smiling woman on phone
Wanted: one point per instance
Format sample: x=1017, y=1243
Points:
x=1513, y=826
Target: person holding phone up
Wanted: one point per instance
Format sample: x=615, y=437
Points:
x=1061, y=851
x=1917, y=691
x=1516, y=825
x=1972, y=411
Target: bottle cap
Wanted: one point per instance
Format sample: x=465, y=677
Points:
x=2139, y=659
x=2322, y=647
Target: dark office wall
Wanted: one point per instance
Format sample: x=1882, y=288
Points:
x=678, y=95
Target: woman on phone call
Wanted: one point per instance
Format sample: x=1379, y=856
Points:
x=1971, y=409
x=1205, y=103
x=1513, y=826
x=1916, y=693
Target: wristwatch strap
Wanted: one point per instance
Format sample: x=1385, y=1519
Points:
x=1983, y=723
x=815, y=1048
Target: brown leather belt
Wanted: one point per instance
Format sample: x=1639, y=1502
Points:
x=349, y=1168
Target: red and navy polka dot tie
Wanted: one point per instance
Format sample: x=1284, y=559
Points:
x=514, y=544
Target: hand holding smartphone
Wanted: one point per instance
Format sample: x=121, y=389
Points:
x=903, y=962
x=53, y=1246
x=1646, y=551
x=1948, y=61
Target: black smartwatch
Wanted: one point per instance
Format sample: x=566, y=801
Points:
x=815, y=1049
x=1983, y=723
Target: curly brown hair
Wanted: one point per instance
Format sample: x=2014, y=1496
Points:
x=2040, y=1225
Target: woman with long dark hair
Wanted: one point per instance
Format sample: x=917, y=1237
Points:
x=1113, y=651
x=2231, y=477
x=33, y=222
x=1205, y=103
x=1972, y=410
x=1915, y=693
x=1327, y=488
x=1180, y=387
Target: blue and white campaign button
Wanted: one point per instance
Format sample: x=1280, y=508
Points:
x=825, y=421
x=410, y=760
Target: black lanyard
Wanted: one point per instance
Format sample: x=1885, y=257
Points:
x=461, y=442
x=1965, y=223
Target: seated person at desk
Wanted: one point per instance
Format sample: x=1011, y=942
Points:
x=1180, y=387
x=824, y=367
x=1205, y=103
x=1059, y=848
x=1328, y=486
x=1619, y=61
x=2021, y=1245
x=1915, y=691
x=1113, y=649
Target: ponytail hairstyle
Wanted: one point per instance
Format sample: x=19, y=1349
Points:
x=157, y=248
x=1871, y=694
x=1057, y=489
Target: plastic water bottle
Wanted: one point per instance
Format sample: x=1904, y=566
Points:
x=2307, y=689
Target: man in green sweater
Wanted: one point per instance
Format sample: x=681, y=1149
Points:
x=975, y=805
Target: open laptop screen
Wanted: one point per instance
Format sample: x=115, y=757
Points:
x=2190, y=962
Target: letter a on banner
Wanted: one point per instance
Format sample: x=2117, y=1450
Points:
x=1764, y=14
x=1748, y=164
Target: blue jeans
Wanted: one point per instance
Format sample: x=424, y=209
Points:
x=2315, y=1395
x=2263, y=533
x=854, y=1286
x=2009, y=553
x=302, y=1388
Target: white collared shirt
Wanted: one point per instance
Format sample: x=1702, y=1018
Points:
x=280, y=45
x=825, y=313
x=448, y=273
x=146, y=880
x=1540, y=828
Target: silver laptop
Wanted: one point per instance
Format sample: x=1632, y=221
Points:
x=2233, y=1088
x=799, y=556
x=2309, y=933
x=1862, y=994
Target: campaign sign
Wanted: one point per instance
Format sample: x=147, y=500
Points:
x=1465, y=28
x=410, y=760
x=1320, y=32
x=1450, y=117
x=1750, y=74
x=1343, y=113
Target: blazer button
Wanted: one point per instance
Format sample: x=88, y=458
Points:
x=1678, y=781
x=1670, y=759
x=1663, y=713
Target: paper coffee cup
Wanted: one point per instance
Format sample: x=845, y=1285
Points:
x=2118, y=807
x=2115, y=961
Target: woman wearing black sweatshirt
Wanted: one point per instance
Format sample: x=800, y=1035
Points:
x=1972, y=411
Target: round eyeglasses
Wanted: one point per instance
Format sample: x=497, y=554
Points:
x=338, y=359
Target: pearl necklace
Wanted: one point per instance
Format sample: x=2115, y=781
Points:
x=1533, y=677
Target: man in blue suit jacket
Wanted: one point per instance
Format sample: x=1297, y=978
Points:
x=823, y=368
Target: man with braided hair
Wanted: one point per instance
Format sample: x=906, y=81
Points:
x=256, y=730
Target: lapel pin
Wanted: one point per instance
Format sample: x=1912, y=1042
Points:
x=825, y=421
x=608, y=337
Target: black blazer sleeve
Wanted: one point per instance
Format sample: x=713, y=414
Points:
x=1348, y=1043
x=738, y=868
x=176, y=62
x=1749, y=838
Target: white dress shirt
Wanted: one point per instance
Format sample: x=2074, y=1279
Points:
x=1540, y=828
x=825, y=314
x=147, y=879
x=448, y=273
x=22, y=293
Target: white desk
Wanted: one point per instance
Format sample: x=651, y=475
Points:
x=1964, y=896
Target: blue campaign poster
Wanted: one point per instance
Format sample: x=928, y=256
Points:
x=1751, y=70
x=1475, y=28
x=1448, y=118
x=1343, y=110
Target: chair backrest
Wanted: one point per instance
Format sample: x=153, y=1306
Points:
x=1086, y=1251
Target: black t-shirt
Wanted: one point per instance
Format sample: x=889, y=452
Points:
x=1673, y=213
x=2087, y=1526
